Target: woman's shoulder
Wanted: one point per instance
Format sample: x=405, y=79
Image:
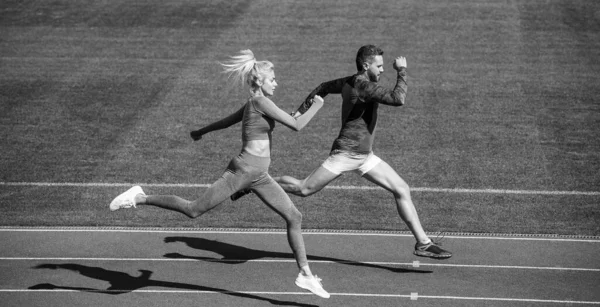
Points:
x=261, y=101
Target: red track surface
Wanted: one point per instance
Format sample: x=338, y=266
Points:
x=122, y=267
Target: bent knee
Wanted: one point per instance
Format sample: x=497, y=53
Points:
x=194, y=210
x=305, y=192
x=194, y=214
x=401, y=190
x=294, y=216
x=308, y=189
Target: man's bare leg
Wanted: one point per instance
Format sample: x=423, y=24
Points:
x=385, y=176
x=312, y=184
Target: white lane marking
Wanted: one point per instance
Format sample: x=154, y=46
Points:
x=375, y=295
x=399, y=264
x=348, y=187
x=518, y=237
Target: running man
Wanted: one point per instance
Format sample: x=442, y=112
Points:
x=352, y=149
x=249, y=170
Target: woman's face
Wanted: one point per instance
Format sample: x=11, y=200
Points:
x=268, y=84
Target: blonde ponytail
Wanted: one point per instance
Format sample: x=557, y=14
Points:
x=239, y=66
x=244, y=68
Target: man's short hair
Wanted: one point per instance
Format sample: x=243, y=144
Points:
x=366, y=54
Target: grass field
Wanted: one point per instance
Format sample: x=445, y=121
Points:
x=502, y=95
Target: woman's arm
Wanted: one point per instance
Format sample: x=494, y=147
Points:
x=268, y=108
x=220, y=124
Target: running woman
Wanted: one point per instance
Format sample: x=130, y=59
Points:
x=249, y=170
x=352, y=149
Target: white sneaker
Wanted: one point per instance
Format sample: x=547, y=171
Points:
x=126, y=199
x=312, y=284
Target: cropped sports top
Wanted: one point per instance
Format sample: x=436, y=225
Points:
x=256, y=125
x=258, y=117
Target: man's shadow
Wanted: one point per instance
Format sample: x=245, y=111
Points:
x=235, y=254
x=121, y=282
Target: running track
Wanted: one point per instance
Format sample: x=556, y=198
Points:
x=185, y=267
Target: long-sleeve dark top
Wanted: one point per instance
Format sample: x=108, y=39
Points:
x=360, y=101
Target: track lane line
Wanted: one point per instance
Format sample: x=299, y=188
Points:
x=478, y=236
x=373, y=295
x=333, y=187
x=399, y=264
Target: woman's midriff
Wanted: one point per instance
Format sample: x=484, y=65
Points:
x=261, y=148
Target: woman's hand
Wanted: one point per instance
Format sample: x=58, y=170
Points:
x=318, y=100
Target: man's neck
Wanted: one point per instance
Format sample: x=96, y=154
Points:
x=363, y=73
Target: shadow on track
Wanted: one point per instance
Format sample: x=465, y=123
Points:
x=235, y=254
x=121, y=282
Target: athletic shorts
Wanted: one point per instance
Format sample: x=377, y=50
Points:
x=340, y=161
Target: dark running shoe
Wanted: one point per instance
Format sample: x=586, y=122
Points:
x=431, y=250
x=239, y=194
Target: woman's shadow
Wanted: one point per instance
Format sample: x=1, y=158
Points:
x=235, y=254
x=121, y=282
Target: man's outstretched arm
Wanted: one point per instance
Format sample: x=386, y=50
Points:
x=325, y=88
